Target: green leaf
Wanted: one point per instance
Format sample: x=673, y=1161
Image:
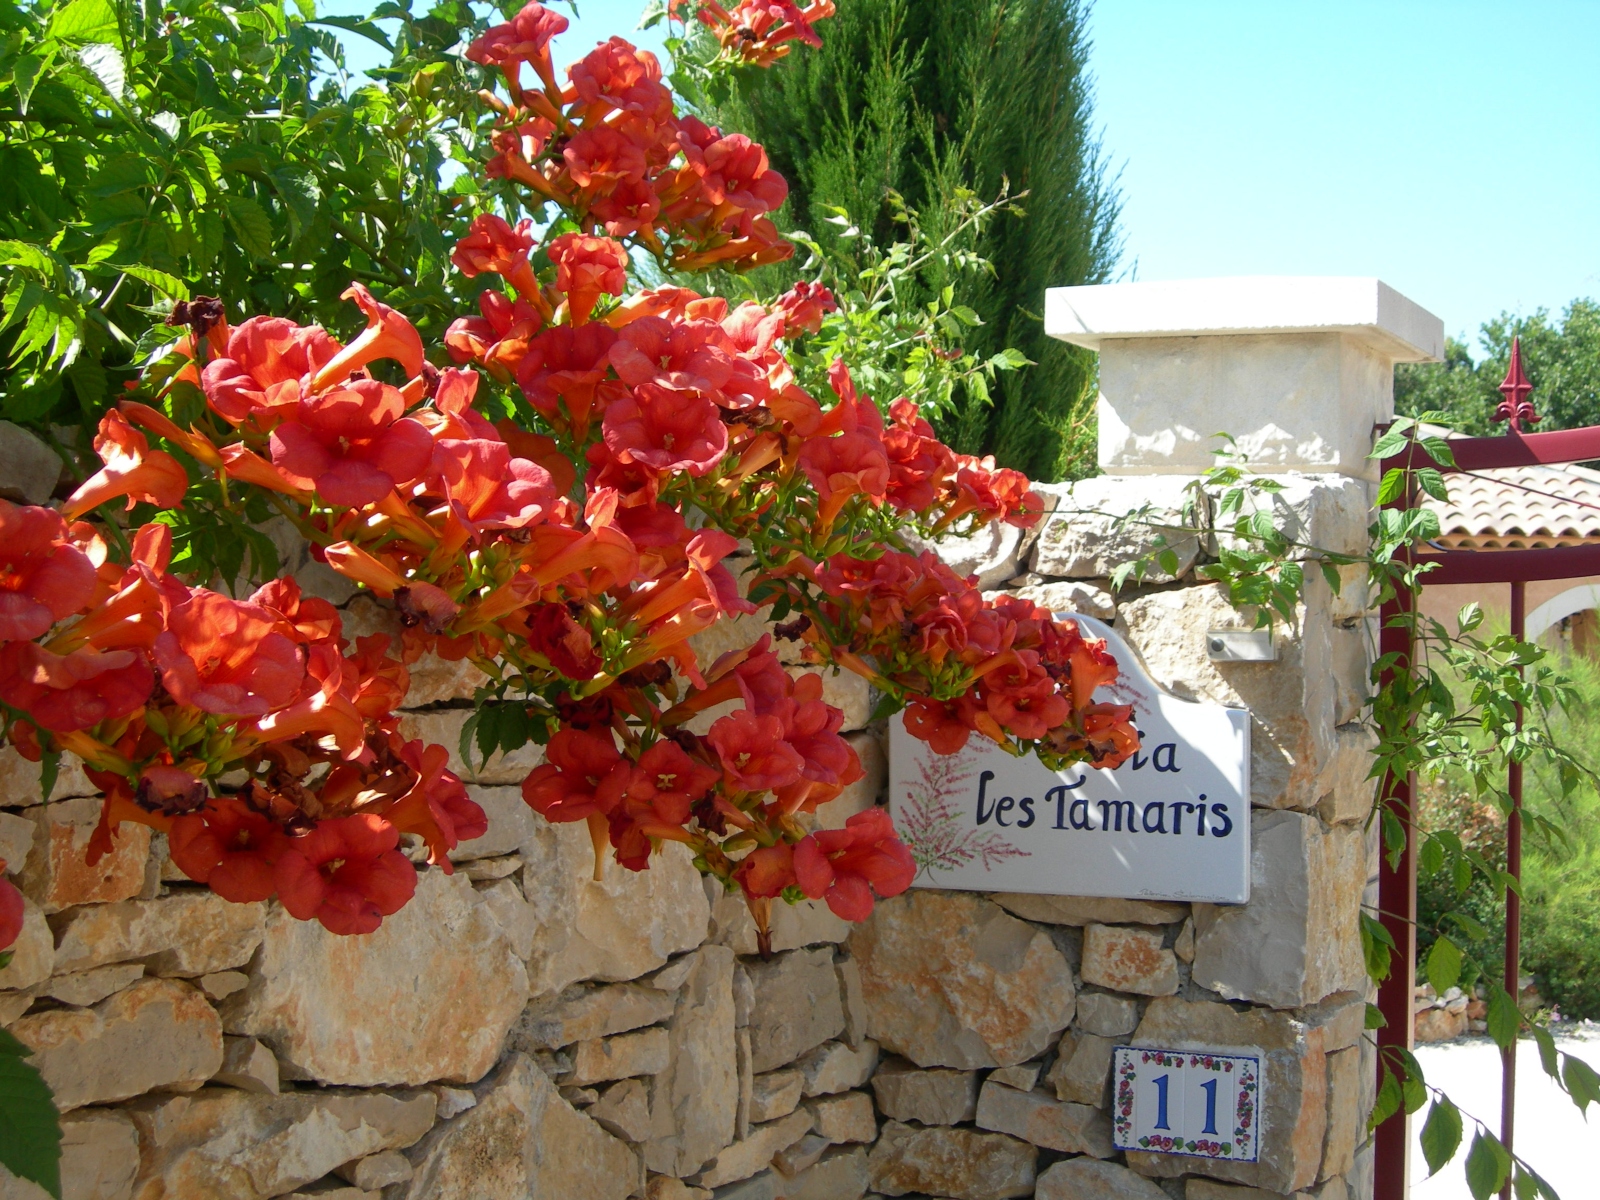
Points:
x=84, y=21
x=1441, y=1134
x=1388, y=1099
x=168, y=285
x=1393, y=486
x=1547, y=1052
x=1444, y=965
x=30, y=1127
x=1488, y=1164
x=1430, y=481
x=1439, y=450
x=1583, y=1085
x=106, y=64
x=251, y=226
x=1503, y=1018
x=24, y=75
x=49, y=769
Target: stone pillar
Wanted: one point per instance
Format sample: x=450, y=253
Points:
x=1298, y=371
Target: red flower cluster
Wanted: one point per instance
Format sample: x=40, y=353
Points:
x=758, y=32
x=181, y=685
x=573, y=553
x=612, y=150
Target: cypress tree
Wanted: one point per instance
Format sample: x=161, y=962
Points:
x=927, y=98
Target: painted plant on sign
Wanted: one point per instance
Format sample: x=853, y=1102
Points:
x=934, y=825
x=562, y=498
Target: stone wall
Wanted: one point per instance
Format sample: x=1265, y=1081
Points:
x=520, y=1030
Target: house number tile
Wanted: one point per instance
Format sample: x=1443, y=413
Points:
x=1199, y=1103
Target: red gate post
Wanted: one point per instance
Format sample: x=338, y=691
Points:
x=1513, y=962
x=1397, y=909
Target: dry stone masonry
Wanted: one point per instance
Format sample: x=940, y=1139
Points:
x=521, y=1030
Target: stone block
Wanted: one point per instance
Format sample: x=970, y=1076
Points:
x=797, y=1007
x=839, y=1174
x=1206, y=1189
x=1330, y=512
x=1091, y=1179
x=929, y=1097
x=584, y=1011
x=434, y=680
x=992, y=553
x=1129, y=959
x=154, y=1035
x=694, y=1101
x=19, y=783
x=520, y=1139
x=1439, y=1025
x=485, y=870
x=512, y=824
x=753, y=1153
x=377, y=1171
x=439, y=988
x=1294, y=1117
x=1083, y=1066
x=1067, y=596
x=16, y=840
x=665, y=1187
x=1345, y=1123
x=619, y=928
x=624, y=1110
x=1293, y=701
x=846, y=1117
x=1089, y=910
x=33, y=954
x=83, y=988
x=1183, y=947
x=442, y=726
x=960, y=1163
x=187, y=933
x=775, y=1094
x=765, y=1186
x=1045, y=1121
x=1021, y=1078
x=804, y=1153
x=1105, y=1015
x=835, y=1067
x=864, y=792
x=806, y=923
x=1348, y=789
x=950, y=979
x=1108, y=520
x=622, y=1057
x=99, y=1155
x=1342, y=1018
x=57, y=874
x=512, y=913
x=219, y=985
x=1299, y=938
x=29, y=469
x=248, y=1066
x=855, y=1005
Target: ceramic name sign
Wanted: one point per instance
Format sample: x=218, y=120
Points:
x=1201, y=1103
x=1171, y=823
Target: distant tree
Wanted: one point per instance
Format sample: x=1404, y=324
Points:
x=1561, y=358
x=912, y=105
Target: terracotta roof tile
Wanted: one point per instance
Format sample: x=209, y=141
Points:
x=1515, y=508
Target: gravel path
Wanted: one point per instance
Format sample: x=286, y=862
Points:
x=1551, y=1134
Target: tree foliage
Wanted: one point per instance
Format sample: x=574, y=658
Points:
x=1561, y=358
x=150, y=152
x=909, y=107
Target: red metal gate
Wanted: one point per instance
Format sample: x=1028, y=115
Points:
x=1397, y=894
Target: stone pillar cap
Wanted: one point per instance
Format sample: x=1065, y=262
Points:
x=1367, y=309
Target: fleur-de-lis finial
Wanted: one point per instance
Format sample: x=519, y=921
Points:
x=1516, y=407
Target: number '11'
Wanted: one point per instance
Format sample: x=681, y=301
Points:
x=1209, y=1087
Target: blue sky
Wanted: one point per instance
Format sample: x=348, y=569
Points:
x=1450, y=148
